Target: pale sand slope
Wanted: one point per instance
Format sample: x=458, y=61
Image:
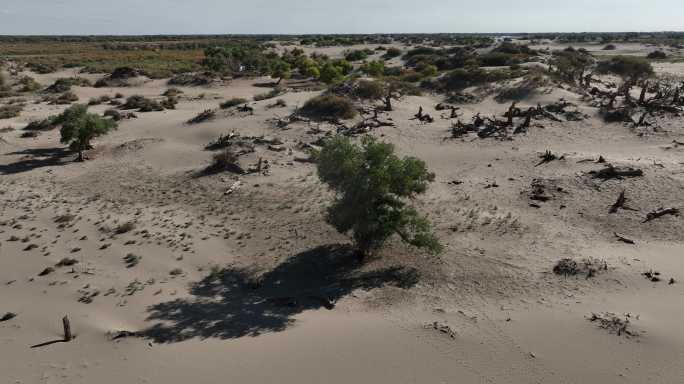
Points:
x=514, y=321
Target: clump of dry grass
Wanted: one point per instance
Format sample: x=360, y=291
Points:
x=328, y=107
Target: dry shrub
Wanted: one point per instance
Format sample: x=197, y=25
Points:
x=329, y=107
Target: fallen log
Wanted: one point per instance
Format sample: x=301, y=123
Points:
x=624, y=239
x=660, y=213
x=611, y=172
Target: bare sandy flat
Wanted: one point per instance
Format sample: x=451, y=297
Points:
x=238, y=279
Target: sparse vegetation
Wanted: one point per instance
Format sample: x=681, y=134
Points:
x=275, y=92
x=225, y=161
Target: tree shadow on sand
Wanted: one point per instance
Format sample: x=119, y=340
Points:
x=233, y=303
x=36, y=158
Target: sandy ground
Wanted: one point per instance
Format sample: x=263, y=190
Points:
x=488, y=310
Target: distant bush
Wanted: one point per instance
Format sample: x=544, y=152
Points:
x=28, y=84
x=113, y=114
x=42, y=125
x=331, y=74
x=118, y=78
x=234, y=102
x=459, y=79
x=169, y=103
x=392, y=52
x=193, y=79
x=630, y=68
x=498, y=59
x=357, y=55
x=172, y=92
x=329, y=107
x=610, y=47
x=512, y=48
x=64, y=84
x=280, y=103
x=275, y=92
x=369, y=90
x=65, y=98
x=10, y=111
x=99, y=100
x=142, y=104
x=42, y=68
x=657, y=55
x=373, y=68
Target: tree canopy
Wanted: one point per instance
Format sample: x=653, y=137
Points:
x=373, y=188
x=79, y=127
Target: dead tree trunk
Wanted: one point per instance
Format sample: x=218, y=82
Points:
x=642, y=97
x=67, y=329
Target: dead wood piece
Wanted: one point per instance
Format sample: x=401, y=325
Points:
x=66, y=324
x=660, y=213
x=612, y=172
x=619, y=203
x=624, y=239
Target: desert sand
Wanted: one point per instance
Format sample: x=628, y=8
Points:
x=179, y=280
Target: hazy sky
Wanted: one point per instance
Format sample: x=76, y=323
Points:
x=335, y=16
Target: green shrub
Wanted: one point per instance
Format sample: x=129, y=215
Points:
x=391, y=53
x=329, y=107
x=373, y=186
x=356, y=55
x=281, y=70
x=373, y=68
x=331, y=74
